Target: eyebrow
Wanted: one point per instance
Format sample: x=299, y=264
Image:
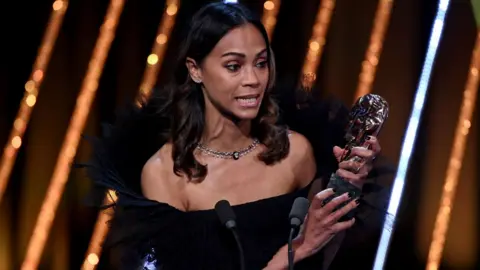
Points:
x=242, y=54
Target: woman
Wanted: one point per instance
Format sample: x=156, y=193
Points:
x=211, y=135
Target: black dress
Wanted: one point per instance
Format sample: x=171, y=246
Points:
x=146, y=234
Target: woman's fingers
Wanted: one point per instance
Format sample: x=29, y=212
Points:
x=340, y=226
x=335, y=216
x=317, y=201
x=374, y=145
x=349, y=165
x=321, y=222
x=347, y=174
x=330, y=206
x=364, y=153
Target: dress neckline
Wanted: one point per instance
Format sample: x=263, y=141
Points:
x=301, y=192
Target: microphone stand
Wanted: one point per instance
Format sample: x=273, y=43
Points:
x=296, y=216
x=227, y=218
x=290, y=248
x=240, y=248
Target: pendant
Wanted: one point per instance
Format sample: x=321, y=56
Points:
x=236, y=155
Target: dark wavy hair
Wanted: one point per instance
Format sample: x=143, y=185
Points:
x=186, y=101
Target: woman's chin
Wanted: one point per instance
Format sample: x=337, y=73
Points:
x=246, y=114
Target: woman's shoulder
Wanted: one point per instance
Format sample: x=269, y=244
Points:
x=298, y=142
x=301, y=159
x=158, y=182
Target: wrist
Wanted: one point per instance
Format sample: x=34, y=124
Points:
x=280, y=261
x=301, y=249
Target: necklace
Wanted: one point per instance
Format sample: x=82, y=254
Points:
x=229, y=155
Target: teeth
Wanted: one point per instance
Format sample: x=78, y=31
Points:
x=247, y=101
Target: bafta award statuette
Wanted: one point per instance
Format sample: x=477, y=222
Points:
x=366, y=118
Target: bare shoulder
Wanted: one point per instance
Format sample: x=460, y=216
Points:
x=301, y=158
x=158, y=181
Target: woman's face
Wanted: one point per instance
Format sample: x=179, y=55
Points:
x=235, y=74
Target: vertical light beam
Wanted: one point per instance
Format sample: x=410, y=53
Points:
x=154, y=62
x=72, y=139
x=269, y=17
x=372, y=56
x=32, y=89
x=411, y=134
x=98, y=237
x=317, y=42
x=155, y=59
x=455, y=163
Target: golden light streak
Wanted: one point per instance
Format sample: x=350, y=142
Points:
x=372, y=56
x=32, y=88
x=317, y=42
x=269, y=17
x=455, y=163
x=155, y=59
x=72, y=139
x=99, y=233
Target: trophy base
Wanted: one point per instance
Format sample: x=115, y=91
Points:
x=341, y=186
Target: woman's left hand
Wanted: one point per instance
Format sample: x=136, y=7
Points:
x=356, y=172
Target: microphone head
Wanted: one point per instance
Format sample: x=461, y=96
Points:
x=225, y=214
x=299, y=211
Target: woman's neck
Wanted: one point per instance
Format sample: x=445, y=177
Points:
x=223, y=134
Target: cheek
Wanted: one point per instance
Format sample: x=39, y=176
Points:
x=220, y=85
x=265, y=75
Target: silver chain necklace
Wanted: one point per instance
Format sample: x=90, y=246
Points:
x=229, y=155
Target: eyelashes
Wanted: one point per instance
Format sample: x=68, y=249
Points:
x=234, y=67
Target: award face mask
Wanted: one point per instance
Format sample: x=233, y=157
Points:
x=366, y=119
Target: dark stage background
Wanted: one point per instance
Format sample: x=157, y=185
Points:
x=22, y=27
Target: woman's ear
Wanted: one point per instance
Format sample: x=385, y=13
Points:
x=194, y=70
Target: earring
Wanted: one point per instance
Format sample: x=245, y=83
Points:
x=196, y=80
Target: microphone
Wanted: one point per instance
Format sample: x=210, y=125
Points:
x=297, y=215
x=227, y=218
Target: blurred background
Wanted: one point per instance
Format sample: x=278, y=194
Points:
x=344, y=52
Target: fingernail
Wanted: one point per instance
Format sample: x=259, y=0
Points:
x=357, y=201
x=350, y=194
x=369, y=137
x=334, y=190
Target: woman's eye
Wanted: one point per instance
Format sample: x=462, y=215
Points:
x=262, y=64
x=233, y=67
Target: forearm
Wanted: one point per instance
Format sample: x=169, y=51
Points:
x=280, y=259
